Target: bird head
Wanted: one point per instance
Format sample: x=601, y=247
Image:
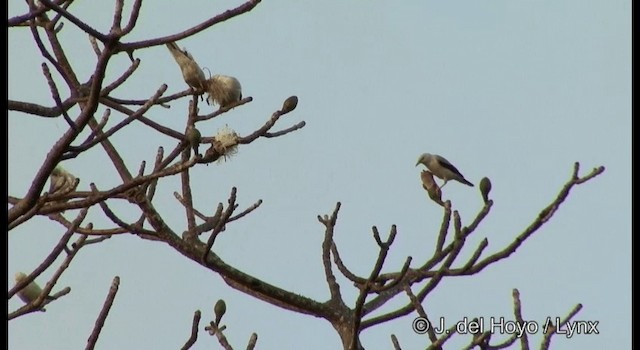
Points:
x=423, y=159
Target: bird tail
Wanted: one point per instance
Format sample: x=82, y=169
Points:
x=464, y=181
x=175, y=50
x=172, y=46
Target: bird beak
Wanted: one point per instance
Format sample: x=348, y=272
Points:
x=418, y=162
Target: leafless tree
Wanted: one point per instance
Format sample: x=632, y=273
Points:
x=196, y=241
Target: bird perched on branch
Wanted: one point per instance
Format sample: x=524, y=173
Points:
x=191, y=71
x=223, y=90
x=31, y=292
x=194, y=137
x=61, y=181
x=442, y=168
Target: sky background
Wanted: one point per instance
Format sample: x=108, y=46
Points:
x=514, y=90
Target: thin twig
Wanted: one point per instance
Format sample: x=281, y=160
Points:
x=102, y=136
x=213, y=329
x=550, y=329
x=246, y=211
x=343, y=268
x=396, y=343
x=56, y=95
x=129, y=47
x=285, y=131
x=252, y=341
x=329, y=223
x=195, y=324
x=196, y=212
x=444, y=227
x=220, y=224
x=73, y=19
x=421, y=312
x=52, y=256
x=36, y=304
x=95, y=333
x=517, y=311
x=382, y=256
x=223, y=110
x=133, y=17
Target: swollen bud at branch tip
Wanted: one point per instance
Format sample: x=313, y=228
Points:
x=290, y=104
x=485, y=188
x=219, y=310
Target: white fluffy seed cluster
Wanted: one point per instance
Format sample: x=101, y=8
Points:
x=226, y=142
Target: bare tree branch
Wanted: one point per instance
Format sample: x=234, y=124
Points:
x=551, y=329
x=382, y=256
x=343, y=269
x=220, y=225
x=39, y=302
x=252, y=341
x=246, y=211
x=195, y=324
x=246, y=7
x=95, y=333
x=517, y=311
x=263, y=130
x=223, y=110
x=213, y=329
x=420, y=310
x=329, y=222
x=396, y=344
x=139, y=190
x=73, y=19
x=52, y=256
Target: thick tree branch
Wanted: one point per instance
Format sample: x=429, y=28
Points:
x=75, y=20
x=246, y=7
x=56, y=152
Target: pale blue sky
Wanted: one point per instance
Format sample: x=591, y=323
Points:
x=513, y=90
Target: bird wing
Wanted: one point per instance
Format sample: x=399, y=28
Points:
x=446, y=164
